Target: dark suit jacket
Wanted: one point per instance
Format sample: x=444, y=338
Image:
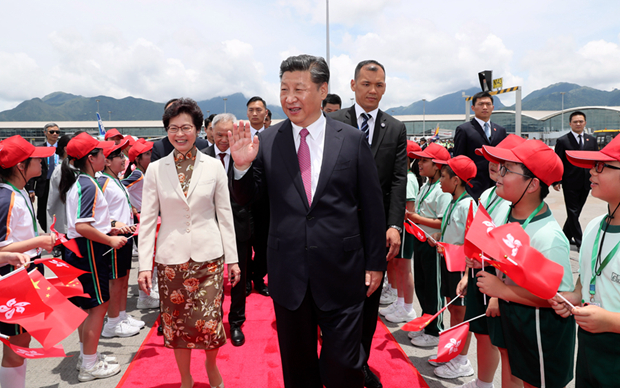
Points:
x=329, y=245
x=469, y=136
x=574, y=178
x=389, y=148
x=241, y=214
x=163, y=147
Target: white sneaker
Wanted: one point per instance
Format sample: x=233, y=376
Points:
x=453, y=369
x=134, y=322
x=101, y=370
x=389, y=309
x=413, y=334
x=472, y=384
x=134, y=251
x=101, y=357
x=122, y=329
x=388, y=296
x=148, y=302
x=401, y=315
x=425, y=341
x=434, y=363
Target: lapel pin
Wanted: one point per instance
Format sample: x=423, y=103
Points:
x=382, y=125
x=495, y=129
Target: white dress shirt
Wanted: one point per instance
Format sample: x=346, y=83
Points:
x=482, y=125
x=371, y=122
x=255, y=131
x=226, y=157
x=583, y=138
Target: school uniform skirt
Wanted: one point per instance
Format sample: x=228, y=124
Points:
x=96, y=281
x=191, y=296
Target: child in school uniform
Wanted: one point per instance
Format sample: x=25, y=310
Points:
x=402, y=309
x=19, y=232
x=455, y=174
x=597, y=294
x=430, y=208
x=119, y=324
x=475, y=302
x=538, y=345
x=90, y=224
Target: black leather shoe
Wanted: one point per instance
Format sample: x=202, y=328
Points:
x=262, y=289
x=236, y=336
x=160, y=330
x=248, y=288
x=370, y=379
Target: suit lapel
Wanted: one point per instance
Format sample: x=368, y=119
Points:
x=478, y=128
x=198, y=169
x=573, y=142
x=171, y=173
x=285, y=144
x=352, y=116
x=331, y=150
x=379, y=132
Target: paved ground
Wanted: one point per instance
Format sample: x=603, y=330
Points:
x=55, y=373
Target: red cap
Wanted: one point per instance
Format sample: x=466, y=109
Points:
x=122, y=145
x=16, y=149
x=138, y=149
x=141, y=140
x=112, y=133
x=535, y=155
x=131, y=140
x=463, y=167
x=82, y=144
x=412, y=146
x=586, y=159
x=433, y=151
x=509, y=142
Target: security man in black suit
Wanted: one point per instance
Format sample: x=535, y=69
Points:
x=476, y=133
x=388, y=143
x=575, y=180
x=222, y=123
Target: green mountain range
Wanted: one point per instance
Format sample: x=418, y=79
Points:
x=61, y=106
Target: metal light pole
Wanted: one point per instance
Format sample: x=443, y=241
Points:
x=97, y=106
x=110, y=115
x=423, y=117
x=327, y=36
x=225, y=104
x=562, y=93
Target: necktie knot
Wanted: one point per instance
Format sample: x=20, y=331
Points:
x=487, y=130
x=364, y=127
x=303, y=133
x=222, y=155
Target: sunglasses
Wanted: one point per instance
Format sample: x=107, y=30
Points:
x=54, y=132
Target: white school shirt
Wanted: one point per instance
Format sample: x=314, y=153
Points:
x=117, y=197
x=16, y=221
x=86, y=203
x=134, y=183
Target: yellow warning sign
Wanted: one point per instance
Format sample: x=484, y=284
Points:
x=497, y=83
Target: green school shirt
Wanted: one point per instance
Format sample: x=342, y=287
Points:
x=432, y=205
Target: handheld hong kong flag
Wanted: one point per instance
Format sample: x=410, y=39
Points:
x=419, y=323
x=454, y=256
x=54, y=351
x=72, y=289
x=525, y=265
x=477, y=238
x=451, y=342
x=19, y=299
x=415, y=230
x=62, y=239
x=63, y=270
x=61, y=322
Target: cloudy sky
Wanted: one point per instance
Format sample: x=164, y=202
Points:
x=203, y=49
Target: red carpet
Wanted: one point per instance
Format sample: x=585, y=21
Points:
x=257, y=363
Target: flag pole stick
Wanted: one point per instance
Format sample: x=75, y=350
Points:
x=12, y=273
x=111, y=249
x=5, y=336
x=485, y=295
x=462, y=323
x=565, y=300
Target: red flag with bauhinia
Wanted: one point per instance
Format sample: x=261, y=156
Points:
x=63, y=270
x=54, y=351
x=19, y=299
x=415, y=230
x=451, y=342
x=454, y=256
x=64, y=319
x=477, y=238
x=72, y=289
x=525, y=265
x=62, y=239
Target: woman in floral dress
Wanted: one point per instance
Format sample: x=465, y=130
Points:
x=189, y=190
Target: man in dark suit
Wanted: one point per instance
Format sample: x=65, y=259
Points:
x=474, y=134
x=163, y=147
x=223, y=123
x=387, y=138
x=326, y=247
x=575, y=181
x=40, y=185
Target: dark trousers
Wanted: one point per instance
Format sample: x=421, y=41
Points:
x=236, y=316
x=370, y=316
x=574, y=201
x=257, y=268
x=427, y=278
x=42, y=211
x=340, y=362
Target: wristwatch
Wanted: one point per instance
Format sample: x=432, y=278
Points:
x=400, y=230
x=113, y=223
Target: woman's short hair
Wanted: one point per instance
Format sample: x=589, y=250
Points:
x=184, y=105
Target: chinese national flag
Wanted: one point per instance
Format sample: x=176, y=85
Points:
x=451, y=343
x=415, y=230
x=63, y=270
x=62, y=239
x=54, y=351
x=19, y=299
x=72, y=289
x=454, y=256
x=419, y=323
x=61, y=322
x=525, y=265
x=477, y=238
